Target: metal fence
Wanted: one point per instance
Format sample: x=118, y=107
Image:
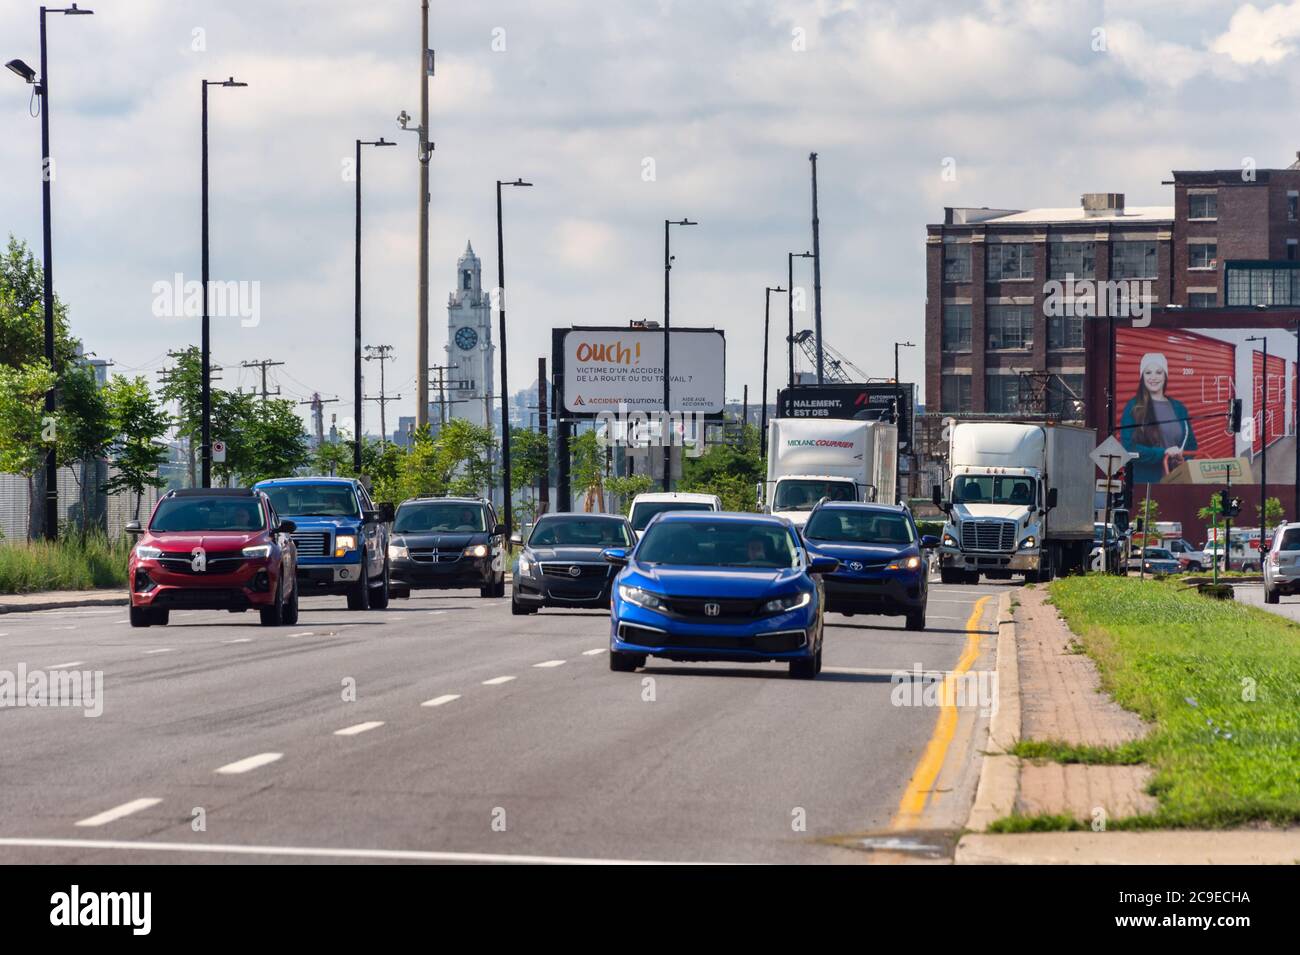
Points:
x=117, y=508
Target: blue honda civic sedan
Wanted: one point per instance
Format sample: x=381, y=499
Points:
x=882, y=565
x=717, y=586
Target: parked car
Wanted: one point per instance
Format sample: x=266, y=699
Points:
x=1158, y=560
x=213, y=549
x=735, y=587
x=561, y=564
x=341, y=536
x=646, y=506
x=1282, y=566
x=449, y=542
x=1116, y=543
x=882, y=567
x=1188, y=557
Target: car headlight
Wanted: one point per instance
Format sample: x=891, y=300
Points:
x=344, y=543
x=476, y=550
x=1029, y=543
x=784, y=604
x=258, y=550
x=525, y=565
x=146, y=552
x=642, y=598
x=912, y=563
x=949, y=540
x=398, y=552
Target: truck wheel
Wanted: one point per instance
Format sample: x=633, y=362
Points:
x=359, y=596
x=971, y=577
x=1271, y=596
x=379, y=595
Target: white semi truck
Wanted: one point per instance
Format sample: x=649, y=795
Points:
x=809, y=459
x=1019, y=501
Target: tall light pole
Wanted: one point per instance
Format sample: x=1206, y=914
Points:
x=767, y=321
x=205, y=388
x=663, y=426
x=1263, y=443
x=507, y=509
x=42, y=85
x=817, y=271
x=898, y=412
x=359, y=437
x=789, y=339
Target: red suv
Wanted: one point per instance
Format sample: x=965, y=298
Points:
x=214, y=549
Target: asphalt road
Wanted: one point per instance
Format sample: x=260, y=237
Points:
x=473, y=735
x=1253, y=594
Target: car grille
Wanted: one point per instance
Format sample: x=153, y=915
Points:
x=988, y=535
x=585, y=571
x=200, y=598
x=781, y=641
x=698, y=608
x=179, y=562
x=435, y=555
x=312, y=543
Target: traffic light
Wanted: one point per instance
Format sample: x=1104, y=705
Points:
x=1234, y=415
x=1224, y=503
x=1235, y=507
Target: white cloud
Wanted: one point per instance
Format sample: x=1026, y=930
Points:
x=1260, y=36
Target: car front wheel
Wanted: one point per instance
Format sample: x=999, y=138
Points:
x=359, y=596
x=625, y=662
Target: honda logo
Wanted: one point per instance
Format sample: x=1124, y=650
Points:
x=712, y=610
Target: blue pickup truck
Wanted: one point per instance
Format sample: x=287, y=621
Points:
x=341, y=536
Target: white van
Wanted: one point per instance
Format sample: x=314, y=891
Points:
x=646, y=506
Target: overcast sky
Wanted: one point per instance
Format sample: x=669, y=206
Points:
x=1036, y=101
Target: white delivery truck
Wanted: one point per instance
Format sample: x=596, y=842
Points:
x=812, y=458
x=1020, y=501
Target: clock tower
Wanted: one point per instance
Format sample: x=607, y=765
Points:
x=468, y=378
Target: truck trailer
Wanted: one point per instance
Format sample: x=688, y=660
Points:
x=813, y=458
x=1019, y=501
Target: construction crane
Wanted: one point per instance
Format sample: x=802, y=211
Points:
x=838, y=368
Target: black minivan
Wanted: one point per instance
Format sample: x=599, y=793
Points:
x=439, y=542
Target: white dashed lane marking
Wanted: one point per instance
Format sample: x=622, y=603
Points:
x=549, y=663
x=440, y=700
x=592, y=653
x=497, y=680
x=252, y=762
x=359, y=728
x=160, y=650
x=117, y=812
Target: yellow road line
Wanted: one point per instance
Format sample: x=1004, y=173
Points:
x=931, y=762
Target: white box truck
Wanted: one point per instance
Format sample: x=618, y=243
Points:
x=1019, y=501
x=812, y=458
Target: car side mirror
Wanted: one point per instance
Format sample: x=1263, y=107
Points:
x=1051, y=498
x=387, y=511
x=615, y=555
x=499, y=530
x=287, y=527
x=823, y=565
x=929, y=541
x=758, y=494
x=370, y=516
x=133, y=527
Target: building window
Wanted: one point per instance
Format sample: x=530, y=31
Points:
x=956, y=328
x=1065, y=397
x=466, y=281
x=1293, y=205
x=1008, y=261
x=1065, y=331
x=1291, y=250
x=956, y=262
x=1002, y=393
x=1202, y=299
x=1203, y=205
x=1010, y=326
x=955, y=394
x=1262, y=285
x=1078, y=259
x=1203, y=255
x=1133, y=260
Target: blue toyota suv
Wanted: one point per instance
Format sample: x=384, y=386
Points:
x=882, y=569
x=718, y=586
x=341, y=535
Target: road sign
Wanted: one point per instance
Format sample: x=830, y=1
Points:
x=1110, y=455
x=1109, y=487
x=864, y=402
x=219, y=452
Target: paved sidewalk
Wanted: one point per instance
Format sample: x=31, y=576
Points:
x=60, y=599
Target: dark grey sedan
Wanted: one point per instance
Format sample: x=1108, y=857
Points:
x=561, y=566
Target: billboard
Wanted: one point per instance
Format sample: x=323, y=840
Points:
x=1173, y=387
x=859, y=402
x=604, y=368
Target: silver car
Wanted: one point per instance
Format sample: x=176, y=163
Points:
x=1282, y=566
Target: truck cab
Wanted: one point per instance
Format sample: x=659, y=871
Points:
x=795, y=496
x=341, y=536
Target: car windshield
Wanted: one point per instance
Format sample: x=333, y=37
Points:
x=801, y=495
x=643, y=511
x=580, y=532
x=313, y=500
x=992, y=489
x=859, y=526
x=440, y=517
x=722, y=544
x=180, y=514
x=1157, y=553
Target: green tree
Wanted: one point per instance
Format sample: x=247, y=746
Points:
x=530, y=457
x=26, y=428
x=275, y=443
x=1274, y=512
x=588, y=469
x=183, y=386
x=333, y=457
x=727, y=470
x=22, y=312
x=137, y=451
x=85, y=429
x=233, y=414
x=465, y=456
x=626, y=488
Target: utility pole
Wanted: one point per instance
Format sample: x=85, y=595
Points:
x=663, y=427
x=817, y=271
x=381, y=354
x=898, y=413
x=426, y=153
x=544, y=491
x=1263, y=443
x=318, y=415
x=264, y=364
x=507, y=505
x=789, y=340
x=442, y=393
x=767, y=321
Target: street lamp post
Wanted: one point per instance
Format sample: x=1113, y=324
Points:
x=205, y=387
x=359, y=437
x=1263, y=443
x=42, y=84
x=663, y=426
x=767, y=321
x=507, y=509
x=898, y=412
x=789, y=340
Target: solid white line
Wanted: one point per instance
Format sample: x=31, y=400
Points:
x=497, y=680
x=440, y=700
x=409, y=855
x=549, y=663
x=239, y=640
x=65, y=666
x=592, y=653
x=359, y=728
x=305, y=633
x=160, y=650
x=117, y=812
x=434, y=612
x=252, y=762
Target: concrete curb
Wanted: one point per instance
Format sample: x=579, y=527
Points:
x=1165, y=847
x=114, y=599
x=999, y=784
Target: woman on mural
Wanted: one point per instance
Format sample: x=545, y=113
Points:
x=1155, y=426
